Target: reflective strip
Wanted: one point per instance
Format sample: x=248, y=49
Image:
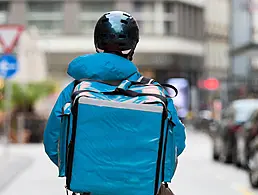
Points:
x=67, y=105
x=66, y=109
x=150, y=81
x=123, y=105
x=140, y=79
x=124, y=84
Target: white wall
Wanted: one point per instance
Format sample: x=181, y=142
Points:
x=217, y=55
x=254, y=12
x=32, y=60
x=151, y=44
x=217, y=12
x=216, y=46
x=200, y=3
x=253, y=8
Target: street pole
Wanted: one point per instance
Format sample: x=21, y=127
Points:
x=9, y=35
x=7, y=116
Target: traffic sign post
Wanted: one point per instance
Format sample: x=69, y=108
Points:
x=9, y=35
x=8, y=67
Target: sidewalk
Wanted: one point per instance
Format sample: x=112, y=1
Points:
x=11, y=168
x=28, y=171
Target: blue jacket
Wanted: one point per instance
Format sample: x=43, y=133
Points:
x=99, y=66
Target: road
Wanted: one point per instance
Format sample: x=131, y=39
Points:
x=197, y=174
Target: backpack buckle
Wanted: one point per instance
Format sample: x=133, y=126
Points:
x=125, y=84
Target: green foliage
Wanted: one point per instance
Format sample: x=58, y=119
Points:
x=1, y=99
x=26, y=95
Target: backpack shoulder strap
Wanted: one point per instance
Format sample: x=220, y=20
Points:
x=76, y=82
x=171, y=87
x=145, y=80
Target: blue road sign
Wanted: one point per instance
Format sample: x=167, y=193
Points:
x=8, y=66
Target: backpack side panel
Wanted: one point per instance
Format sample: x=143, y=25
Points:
x=170, y=153
x=63, y=139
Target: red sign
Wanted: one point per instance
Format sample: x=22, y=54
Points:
x=210, y=84
x=9, y=35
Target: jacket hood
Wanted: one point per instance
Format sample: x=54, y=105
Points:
x=101, y=66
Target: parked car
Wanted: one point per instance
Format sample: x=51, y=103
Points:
x=243, y=138
x=253, y=163
x=232, y=120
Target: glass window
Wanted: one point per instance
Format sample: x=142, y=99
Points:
x=143, y=12
x=200, y=19
x=99, y=6
x=4, y=6
x=4, y=10
x=190, y=21
x=46, y=16
x=146, y=27
x=47, y=26
x=87, y=26
x=185, y=20
x=169, y=7
x=90, y=11
x=45, y=7
x=169, y=28
x=244, y=110
x=143, y=6
x=169, y=18
x=192, y=18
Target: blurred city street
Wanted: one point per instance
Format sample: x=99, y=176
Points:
x=206, y=49
x=197, y=174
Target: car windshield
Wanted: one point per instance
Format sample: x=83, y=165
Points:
x=244, y=110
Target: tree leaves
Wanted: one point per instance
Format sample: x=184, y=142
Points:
x=25, y=96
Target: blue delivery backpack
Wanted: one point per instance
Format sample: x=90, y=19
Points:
x=117, y=139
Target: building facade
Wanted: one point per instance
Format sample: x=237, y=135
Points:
x=171, y=41
x=216, y=54
x=244, y=48
x=217, y=38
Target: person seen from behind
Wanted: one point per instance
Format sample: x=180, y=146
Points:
x=115, y=41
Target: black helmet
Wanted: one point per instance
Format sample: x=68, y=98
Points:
x=116, y=32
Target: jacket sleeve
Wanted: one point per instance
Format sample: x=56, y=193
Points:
x=53, y=127
x=179, y=128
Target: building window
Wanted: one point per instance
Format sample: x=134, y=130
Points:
x=143, y=6
x=90, y=12
x=146, y=27
x=169, y=27
x=169, y=7
x=4, y=11
x=143, y=12
x=190, y=21
x=187, y=20
x=46, y=16
x=169, y=18
x=199, y=21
